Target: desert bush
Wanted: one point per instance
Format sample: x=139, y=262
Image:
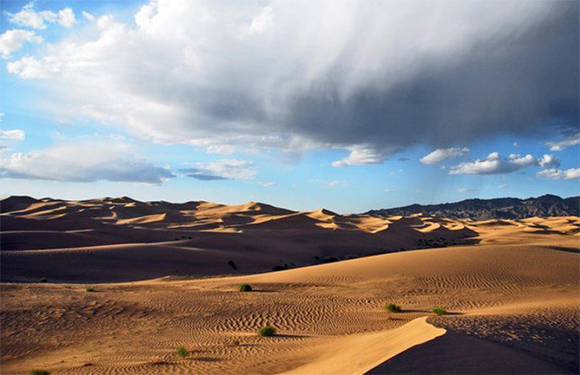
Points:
x=245, y=288
x=44, y=280
x=236, y=343
x=267, y=330
x=40, y=372
x=391, y=307
x=89, y=289
x=181, y=351
x=439, y=311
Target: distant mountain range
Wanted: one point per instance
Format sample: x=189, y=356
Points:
x=500, y=208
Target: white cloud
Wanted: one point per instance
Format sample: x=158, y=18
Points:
x=84, y=162
x=267, y=184
x=12, y=41
x=548, y=161
x=464, y=190
x=390, y=190
x=331, y=183
x=496, y=164
x=29, y=67
x=210, y=73
x=334, y=183
x=442, y=154
x=556, y=174
x=89, y=17
x=29, y=17
x=570, y=141
x=66, y=17
x=224, y=169
x=360, y=155
x=16, y=134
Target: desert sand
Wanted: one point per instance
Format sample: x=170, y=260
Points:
x=159, y=278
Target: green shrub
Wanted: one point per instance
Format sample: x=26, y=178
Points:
x=181, y=351
x=89, y=289
x=245, y=288
x=439, y=311
x=391, y=307
x=44, y=280
x=267, y=330
x=236, y=342
x=40, y=372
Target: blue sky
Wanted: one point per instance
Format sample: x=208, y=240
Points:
x=360, y=107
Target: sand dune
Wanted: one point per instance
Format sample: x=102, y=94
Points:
x=514, y=295
x=249, y=235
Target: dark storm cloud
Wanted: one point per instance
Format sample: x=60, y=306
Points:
x=371, y=77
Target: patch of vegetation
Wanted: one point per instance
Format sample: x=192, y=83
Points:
x=236, y=343
x=181, y=351
x=245, y=288
x=39, y=372
x=267, y=330
x=439, y=311
x=393, y=308
x=43, y=280
x=89, y=289
x=232, y=264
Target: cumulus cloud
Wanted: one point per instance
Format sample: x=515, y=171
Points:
x=12, y=41
x=15, y=135
x=442, y=154
x=267, y=184
x=29, y=17
x=548, y=161
x=570, y=141
x=394, y=74
x=557, y=174
x=496, y=164
x=359, y=155
x=84, y=162
x=225, y=169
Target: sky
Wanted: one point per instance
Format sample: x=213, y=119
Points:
x=347, y=105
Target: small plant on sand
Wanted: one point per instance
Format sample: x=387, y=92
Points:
x=89, y=289
x=43, y=280
x=245, y=288
x=392, y=308
x=182, y=352
x=236, y=343
x=39, y=372
x=439, y=311
x=267, y=330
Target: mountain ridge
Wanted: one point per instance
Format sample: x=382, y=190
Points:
x=496, y=208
